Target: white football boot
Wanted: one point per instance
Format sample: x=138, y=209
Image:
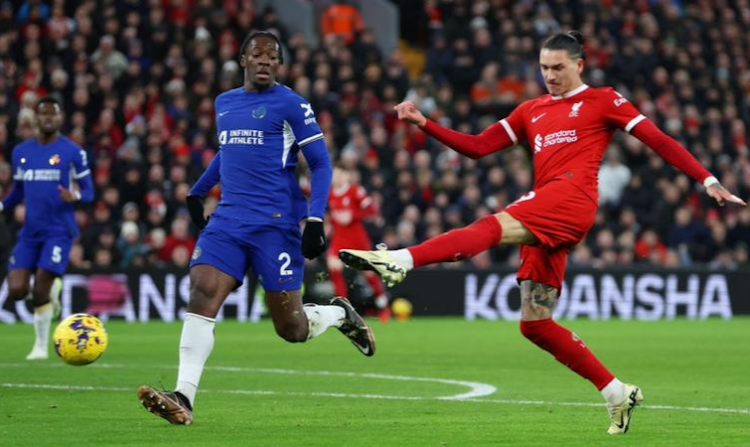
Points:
x=621, y=414
x=379, y=261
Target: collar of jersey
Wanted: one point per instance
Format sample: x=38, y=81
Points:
x=573, y=92
x=342, y=189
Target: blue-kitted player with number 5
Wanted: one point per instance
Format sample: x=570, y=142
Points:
x=44, y=169
x=261, y=127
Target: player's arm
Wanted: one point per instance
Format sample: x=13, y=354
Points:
x=321, y=172
x=621, y=114
x=14, y=197
x=311, y=141
x=679, y=157
x=494, y=138
x=206, y=181
x=85, y=192
x=209, y=178
x=16, y=194
x=366, y=206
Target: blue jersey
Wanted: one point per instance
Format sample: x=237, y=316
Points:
x=260, y=135
x=38, y=171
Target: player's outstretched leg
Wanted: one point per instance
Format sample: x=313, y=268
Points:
x=171, y=406
x=621, y=414
x=452, y=246
x=355, y=328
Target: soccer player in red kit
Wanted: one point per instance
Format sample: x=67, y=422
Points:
x=348, y=206
x=568, y=131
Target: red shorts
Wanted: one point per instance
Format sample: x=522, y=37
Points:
x=559, y=214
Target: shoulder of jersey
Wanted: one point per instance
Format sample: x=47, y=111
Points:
x=538, y=100
x=25, y=144
x=606, y=90
x=229, y=93
x=67, y=142
x=287, y=92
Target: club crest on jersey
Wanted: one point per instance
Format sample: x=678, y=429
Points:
x=54, y=160
x=260, y=112
x=575, y=110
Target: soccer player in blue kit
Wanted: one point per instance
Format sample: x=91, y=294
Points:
x=43, y=170
x=261, y=126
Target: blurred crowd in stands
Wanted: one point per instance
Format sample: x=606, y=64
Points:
x=138, y=80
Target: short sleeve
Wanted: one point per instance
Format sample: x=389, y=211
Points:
x=619, y=112
x=515, y=123
x=301, y=118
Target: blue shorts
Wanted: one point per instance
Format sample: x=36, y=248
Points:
x=274, y=253
x=50, y=254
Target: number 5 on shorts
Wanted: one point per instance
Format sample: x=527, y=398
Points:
x=56, y=254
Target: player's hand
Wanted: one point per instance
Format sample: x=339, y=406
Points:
x=408, y=112
x=68, y=195
x=721, y=195
x=313, y=239
x=197, y=214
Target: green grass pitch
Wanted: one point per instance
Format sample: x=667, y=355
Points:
x=260, y=390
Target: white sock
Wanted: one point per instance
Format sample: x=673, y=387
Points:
x=320, y=318
x=403, y=257
x=614, y=392
x=196, y=344
x=42, y=322
x=381, y=301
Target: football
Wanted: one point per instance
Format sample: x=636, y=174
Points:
x=401, y=308
x=80, y=339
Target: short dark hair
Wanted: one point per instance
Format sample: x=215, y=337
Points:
x=49, y=100
x=262, y=33
x=572, y=42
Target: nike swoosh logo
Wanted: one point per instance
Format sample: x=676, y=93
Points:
x=538, y=117
x=365, y=349
x=621, y=425
x=387, y=266
x=223, y=113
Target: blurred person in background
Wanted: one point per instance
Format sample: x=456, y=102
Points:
x=348, y=206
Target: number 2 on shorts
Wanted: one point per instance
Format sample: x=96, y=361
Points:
x=283, y=271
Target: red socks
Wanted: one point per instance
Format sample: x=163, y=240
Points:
x=376, y=284
x=568, y=349
x=339, y=282
x=459, y=244
x=340, y=288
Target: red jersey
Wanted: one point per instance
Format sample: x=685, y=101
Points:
x=568, y=134
x=348, y=206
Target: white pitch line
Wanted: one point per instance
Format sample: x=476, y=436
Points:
x=44, y=386
x=599, y=405
x=476, y=389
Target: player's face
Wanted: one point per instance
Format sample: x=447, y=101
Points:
x=49, y=117
x=561, y=73
x=261, y=62
x=340, y=177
